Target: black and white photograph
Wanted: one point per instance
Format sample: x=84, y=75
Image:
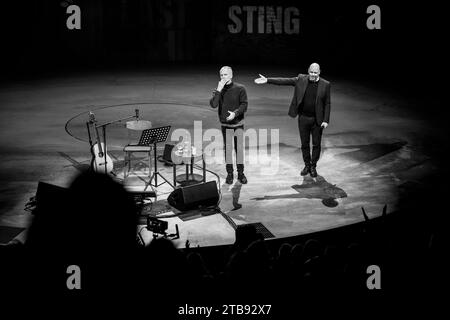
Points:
x=200, y=159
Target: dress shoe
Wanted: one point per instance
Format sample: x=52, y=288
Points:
x=305, y=171
x=242, y=178
x=229, y=179
x=313, y=172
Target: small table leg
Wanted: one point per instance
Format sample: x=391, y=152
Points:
x=204, y=168
x=174, y=175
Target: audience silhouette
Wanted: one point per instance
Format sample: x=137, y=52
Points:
x=93, y=226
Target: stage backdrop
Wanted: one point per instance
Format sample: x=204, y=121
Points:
x=46, y=34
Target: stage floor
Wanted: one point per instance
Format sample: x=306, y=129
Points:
x=372, y=149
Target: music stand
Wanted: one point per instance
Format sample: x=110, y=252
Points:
x=154, y=136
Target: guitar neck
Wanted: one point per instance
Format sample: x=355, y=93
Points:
x=100, y=151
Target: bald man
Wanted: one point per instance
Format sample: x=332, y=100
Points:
x=311, y=103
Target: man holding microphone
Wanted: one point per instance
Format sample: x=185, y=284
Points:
x=231, y=100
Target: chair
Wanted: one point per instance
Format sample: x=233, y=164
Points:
x=147, y=142
x=144, y=145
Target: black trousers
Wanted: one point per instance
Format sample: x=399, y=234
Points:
x=308, y=128
x=235, y=135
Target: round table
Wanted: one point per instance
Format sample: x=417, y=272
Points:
x=188, y=159
x=139, y=125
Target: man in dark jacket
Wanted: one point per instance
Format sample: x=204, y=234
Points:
x=311, y=103
x=231, y=100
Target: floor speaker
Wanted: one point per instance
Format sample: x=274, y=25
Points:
x=194, y=196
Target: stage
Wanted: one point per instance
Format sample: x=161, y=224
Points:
x=374, y=149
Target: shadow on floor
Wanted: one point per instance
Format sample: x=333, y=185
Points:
x=369, y=152
x=235, y=190
x=80, y=166
x=313, y=188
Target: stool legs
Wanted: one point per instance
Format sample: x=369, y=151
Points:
x=149, y=164
x=127, y=164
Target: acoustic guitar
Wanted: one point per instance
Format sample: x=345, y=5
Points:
x=98, y=150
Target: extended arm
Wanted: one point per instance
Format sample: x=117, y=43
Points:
x=278, y=81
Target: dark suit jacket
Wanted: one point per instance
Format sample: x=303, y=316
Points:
x=300, y=82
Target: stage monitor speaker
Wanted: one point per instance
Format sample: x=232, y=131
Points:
x=194, y=196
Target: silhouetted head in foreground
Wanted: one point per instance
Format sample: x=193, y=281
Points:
x=93, y=227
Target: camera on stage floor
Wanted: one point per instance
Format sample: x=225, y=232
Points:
x=156, y=226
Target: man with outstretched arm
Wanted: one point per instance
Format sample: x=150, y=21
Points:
x=311, y=103
x=231, y=100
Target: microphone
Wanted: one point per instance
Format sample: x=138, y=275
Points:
x=137, y=113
